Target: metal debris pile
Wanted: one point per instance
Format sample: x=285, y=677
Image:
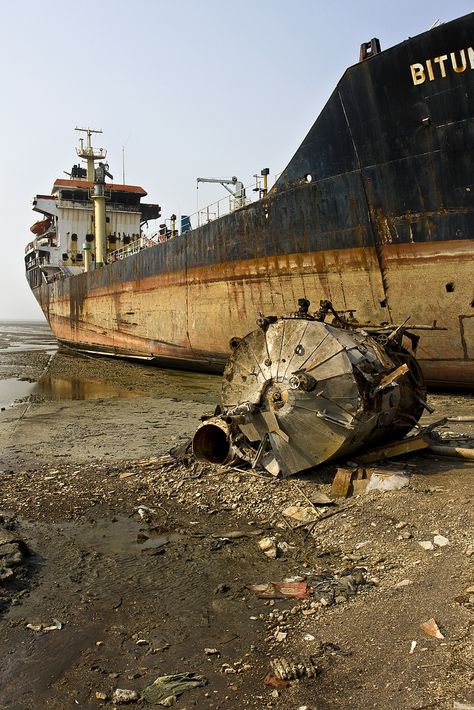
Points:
x=298, y=392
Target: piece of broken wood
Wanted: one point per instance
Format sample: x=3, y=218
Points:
x=455, y=451
x=397, y=448
x=341, y=483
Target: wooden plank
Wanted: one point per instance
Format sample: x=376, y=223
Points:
x=341, y=483
x=397, y=448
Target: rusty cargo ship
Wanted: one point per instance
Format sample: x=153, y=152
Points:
x=374, y=212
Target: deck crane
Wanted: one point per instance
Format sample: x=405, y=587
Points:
x=238, y=193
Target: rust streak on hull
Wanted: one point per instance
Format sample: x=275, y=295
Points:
x=148, y=317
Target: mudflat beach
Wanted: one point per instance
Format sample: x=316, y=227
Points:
x=121, y=564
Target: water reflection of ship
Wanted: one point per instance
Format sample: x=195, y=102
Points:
x=74, y=388
x=374, y=212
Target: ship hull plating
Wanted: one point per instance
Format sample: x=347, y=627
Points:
x=197, y=311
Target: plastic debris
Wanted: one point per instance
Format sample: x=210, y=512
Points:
x=166, y=689
x=236, y=534
x=281, y=590
x=412, y=646
x=431, y=628
x=287, y=669
x=387, y=482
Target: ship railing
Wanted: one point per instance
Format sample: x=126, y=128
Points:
x=39, y=261
x=202, y=216
x=218, y=209
x=134, y=247
x=226, y=205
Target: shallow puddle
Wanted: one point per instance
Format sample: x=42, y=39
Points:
x=117, y=538
x=56, y=388
x=12, y=389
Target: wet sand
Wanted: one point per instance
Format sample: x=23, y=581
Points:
x=127, y=545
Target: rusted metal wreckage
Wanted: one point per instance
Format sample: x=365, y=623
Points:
x=298, y=391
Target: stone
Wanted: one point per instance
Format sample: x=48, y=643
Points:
x=426, y=544
x=269, y=547
x=123, y=696
x=6, y=536
x=440, y=541
x=431, y=628
x=300, y=515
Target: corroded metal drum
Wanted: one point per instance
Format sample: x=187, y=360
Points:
x=298, y=392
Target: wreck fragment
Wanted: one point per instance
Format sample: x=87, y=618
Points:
x=298, y=392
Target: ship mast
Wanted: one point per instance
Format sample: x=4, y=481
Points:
x=88, y=153
x=97, y=176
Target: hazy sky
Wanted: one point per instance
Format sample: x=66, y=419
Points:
x=189, y=88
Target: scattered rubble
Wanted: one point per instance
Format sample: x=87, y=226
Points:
x=294, y=668
x=281, y=590
x=366, y=580
x=122, y=696
x=14, y=556
x=166, y=689
x=46, y=628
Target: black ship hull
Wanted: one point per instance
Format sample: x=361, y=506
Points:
x=375, y=212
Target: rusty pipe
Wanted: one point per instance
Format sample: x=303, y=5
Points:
x=212, y=442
